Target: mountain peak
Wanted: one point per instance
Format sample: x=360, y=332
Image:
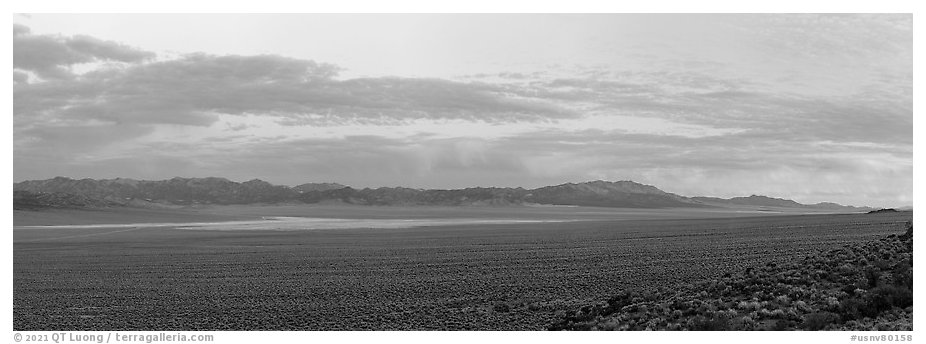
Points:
x=623, y=186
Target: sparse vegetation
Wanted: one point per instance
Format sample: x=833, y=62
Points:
x=864, y=286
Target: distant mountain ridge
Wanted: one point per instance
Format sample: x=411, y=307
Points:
x=765, y=201
x=61, y=192
x=176, y=190
x=751, y=200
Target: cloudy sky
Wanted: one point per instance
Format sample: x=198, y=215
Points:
x=807, y=107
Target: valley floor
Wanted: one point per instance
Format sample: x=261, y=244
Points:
x=490, y=276
x=214, y=213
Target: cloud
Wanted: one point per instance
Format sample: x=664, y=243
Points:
x=813, y=35
x=20, y=77
x=730, y=105
x=51, y=57
x=191, y=90
x=74, y=141
x=19, y=29
x=106, y=50
x=154, y=166
x=195, y=89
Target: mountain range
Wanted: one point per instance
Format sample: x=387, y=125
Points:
x=61, y=192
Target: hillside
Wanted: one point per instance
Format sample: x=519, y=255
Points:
x=176, y=190
x=35, y=194
x=857, y=287
x=307, y=187
x=753, y=200
x=765, y=201
x=25, y=200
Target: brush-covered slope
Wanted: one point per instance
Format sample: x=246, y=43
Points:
x=857, y=287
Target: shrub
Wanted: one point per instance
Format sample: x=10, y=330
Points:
x=501, y=307
x=713, y=323
x=818, y=320
x=872, y=274
x=885, y=297
x=853, y=308
x=783, y=325
x=875, y=301
x=909, y=233
x=903, y=274
x=621, y=300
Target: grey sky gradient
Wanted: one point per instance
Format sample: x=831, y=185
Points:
x=808, y=107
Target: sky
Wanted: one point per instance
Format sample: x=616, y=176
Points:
x=807, y=107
